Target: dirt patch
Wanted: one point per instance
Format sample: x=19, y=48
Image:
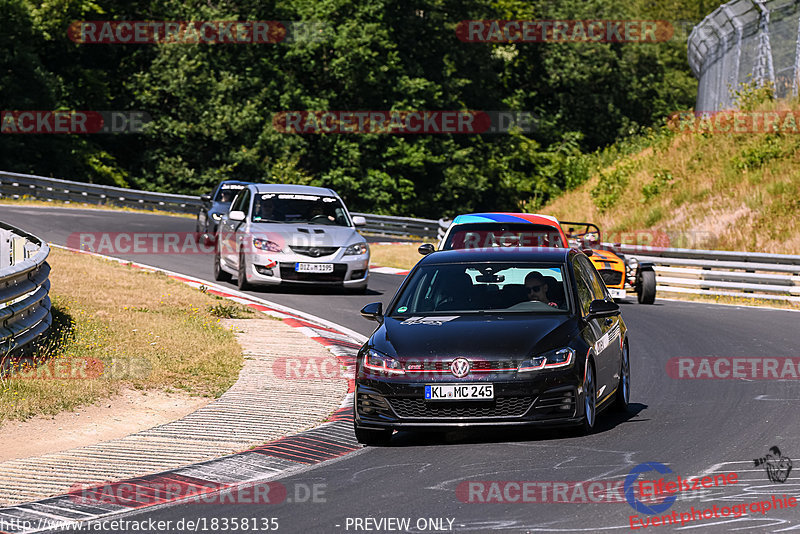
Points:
x=115, y=417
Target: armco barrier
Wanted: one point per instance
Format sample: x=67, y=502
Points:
x=24, y=287
x=721, y=272
x=14, y=185
x=399, y=226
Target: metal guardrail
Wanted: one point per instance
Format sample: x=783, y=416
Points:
x=24, y=286
x=721, y=273
x=15, y=185
x=399, y=226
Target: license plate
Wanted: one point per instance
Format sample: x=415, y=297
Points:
x=313, y=267
x=449, y=392
x=617, y=293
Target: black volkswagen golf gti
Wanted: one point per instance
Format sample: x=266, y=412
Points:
x=520, y=336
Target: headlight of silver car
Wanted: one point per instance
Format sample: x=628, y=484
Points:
x=356, y=249
x=269, y=246
x=549, y=360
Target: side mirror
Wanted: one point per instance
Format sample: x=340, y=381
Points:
x=205, y=198
x=236, y=215
x=603, y=308
x=359, y=220
x=425, y=249
x=373, y=311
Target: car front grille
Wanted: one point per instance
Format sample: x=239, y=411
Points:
x=611, y=277
x=288, y=273
x=500, y=407
x=314, y=252
x=474, y=366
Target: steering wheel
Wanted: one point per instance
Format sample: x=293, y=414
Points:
x=319, y=217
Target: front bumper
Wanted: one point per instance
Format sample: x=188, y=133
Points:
x=551, y=398
x=279, y=268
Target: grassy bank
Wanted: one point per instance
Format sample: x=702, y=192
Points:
x=121, y=326
x=701, y=190
x=397, y=255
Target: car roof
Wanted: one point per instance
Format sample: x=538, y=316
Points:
x=505, y=254
x=296, y=189
x=502, y=217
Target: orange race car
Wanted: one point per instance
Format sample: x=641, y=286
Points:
x=618, y=272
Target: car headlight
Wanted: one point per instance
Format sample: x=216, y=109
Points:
x=216, y=216
x=381, y=363
x=548, y=360
x=265, y=244
x=356, y=249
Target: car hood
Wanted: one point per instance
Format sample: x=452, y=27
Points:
x=604, y=256
x=307, y=235
x=484, y=336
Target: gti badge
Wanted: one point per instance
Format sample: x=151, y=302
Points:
x=459, y=367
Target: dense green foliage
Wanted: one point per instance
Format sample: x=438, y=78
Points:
x=212, y=105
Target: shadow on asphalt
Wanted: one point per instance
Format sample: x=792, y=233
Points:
x=266, y=291
x=606, y=421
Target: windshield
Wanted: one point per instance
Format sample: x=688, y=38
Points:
x=227, y=192
x=296, y=208
x=506, y=287
x=490, y=235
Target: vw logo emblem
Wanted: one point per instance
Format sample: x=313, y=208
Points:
x=460, y=367
x=315, y=252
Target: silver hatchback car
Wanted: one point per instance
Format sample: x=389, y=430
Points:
x=292, y=234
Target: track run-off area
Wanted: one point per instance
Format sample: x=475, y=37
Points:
x=436, y=482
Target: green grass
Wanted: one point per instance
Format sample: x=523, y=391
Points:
x=115, y=327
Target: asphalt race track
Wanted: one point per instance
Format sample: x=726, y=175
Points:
x=695, y=427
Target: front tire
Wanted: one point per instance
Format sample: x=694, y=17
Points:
x=241, y=277
x=646, y=293
x=623, y=394
x=219, y=274
x=586, y=426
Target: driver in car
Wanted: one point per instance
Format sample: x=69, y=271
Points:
x=537, y=288
x=317, y=212
x=264, y=211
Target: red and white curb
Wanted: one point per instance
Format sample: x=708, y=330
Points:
x=387, y=270
x=211, y=481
